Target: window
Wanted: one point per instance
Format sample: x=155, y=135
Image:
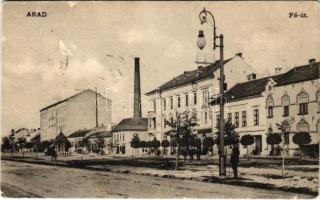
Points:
x=303, y=126
x=256, y=117
x=218, y=120
x=205, y=97
x=187, y=99
x=303, y=99
x=164, y=104
x=164, y=123
x=205, y=117
x=178, y=101
x=171, y=102
x=285, y=111
x=230, y=117
x=318, y=126
x=195, y=98
x=154, y=105
x=318, y=100
x=244, y=118
x=270, y=106
x=270, y=111
x=154, y=123
x=285, y=102
x=303, y=108
x=236, y=119
x=171, y=120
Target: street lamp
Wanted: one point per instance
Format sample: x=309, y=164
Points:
x=201, y=42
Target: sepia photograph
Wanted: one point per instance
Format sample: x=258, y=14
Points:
x=160, y=99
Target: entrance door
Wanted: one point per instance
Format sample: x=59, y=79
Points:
x=258, y=144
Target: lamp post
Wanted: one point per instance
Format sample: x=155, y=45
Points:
x=201, y=42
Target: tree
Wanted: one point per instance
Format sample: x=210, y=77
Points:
x=247, y=140
x=155, y=144
x=273, y=139
x=86, y=143
x=6, y=144
x=135, y=141
x=11, y=138
x=100, y=142
x=21, y=143
x=44, y=145
x=36, y=143
x=181, y=127
x=301, y=138
x=208, y=143
x=230, y=135
x=165, y=144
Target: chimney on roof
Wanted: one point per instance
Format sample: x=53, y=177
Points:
x=185, y=73
x=312, y=61
x=278, y=70
x=137, y=89
x=251, y=76
x=239, y=54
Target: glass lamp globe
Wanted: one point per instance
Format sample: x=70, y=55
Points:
x=201, y=42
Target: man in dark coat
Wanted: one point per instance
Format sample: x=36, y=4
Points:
x=235, y=159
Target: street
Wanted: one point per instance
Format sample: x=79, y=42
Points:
x=30, y=180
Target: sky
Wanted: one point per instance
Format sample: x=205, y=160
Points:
x=101, y=39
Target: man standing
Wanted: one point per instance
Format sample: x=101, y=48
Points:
x=235, y=159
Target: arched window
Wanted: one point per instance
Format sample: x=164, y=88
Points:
x=303, y=99
x=303, y=126
x=318, y=99
x=269, y=104
x=285, y=102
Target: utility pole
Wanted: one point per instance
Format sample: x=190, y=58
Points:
x=201, y=42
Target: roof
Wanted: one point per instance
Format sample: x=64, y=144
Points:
x=300, y=74
x=132, y=124
x=101, y=134
x=64, y=100
x=80, y=133
x=190, y=77
x=256, y=87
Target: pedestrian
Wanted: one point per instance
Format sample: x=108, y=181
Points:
x=198, y=153
x=235, y=159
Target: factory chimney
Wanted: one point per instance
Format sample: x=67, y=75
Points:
x=137, y=90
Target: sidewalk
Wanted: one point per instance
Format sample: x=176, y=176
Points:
x=299, y=178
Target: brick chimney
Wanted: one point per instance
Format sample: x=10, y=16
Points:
x=251, y=76
x=137, y=89
x=239, y=54
x=278, y=70
x=312, y=61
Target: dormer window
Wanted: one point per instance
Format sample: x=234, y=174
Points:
x=270, y=106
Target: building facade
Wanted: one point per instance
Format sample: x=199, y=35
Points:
x=257, y=106
x=84, y=110
x=190, y=91
x=295, y=101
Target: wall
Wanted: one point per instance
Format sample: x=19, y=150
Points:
x=77, y=113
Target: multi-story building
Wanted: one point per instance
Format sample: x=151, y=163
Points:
x=294, y=98
x=190, y=91
x=84, y=110
x=256, y=106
